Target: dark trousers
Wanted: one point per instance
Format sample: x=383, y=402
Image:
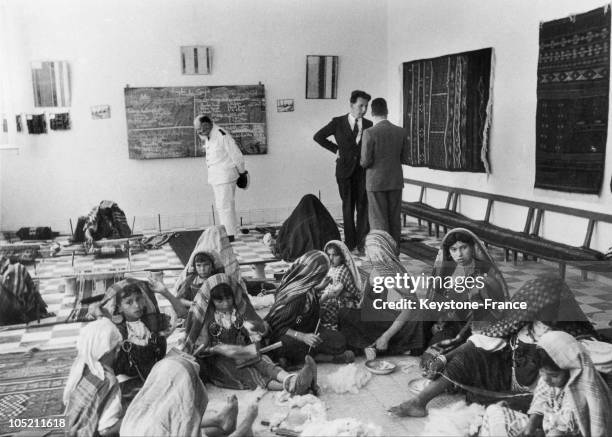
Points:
x=354, y=198
x=385, y=211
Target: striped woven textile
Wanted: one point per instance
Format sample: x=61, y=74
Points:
x=51, y=81
x=321, y=77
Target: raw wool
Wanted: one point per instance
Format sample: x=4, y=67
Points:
x=349, y=378
x=303, y=410
x=341, y=427
x=260, y=302
x=458, y=419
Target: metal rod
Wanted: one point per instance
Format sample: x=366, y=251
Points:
x=71, y=228
x=316, y=331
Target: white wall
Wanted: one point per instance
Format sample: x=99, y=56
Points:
x=112, y=43
x=430, y=28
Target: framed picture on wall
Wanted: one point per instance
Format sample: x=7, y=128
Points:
x=321, y=77
x=196, y=59
x=284, y=105
x=51, y=83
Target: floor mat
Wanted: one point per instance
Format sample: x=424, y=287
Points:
x=32, y=385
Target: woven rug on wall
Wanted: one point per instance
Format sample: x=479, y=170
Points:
x=572, y=110
x=447, y=102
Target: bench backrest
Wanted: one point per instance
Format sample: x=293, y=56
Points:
x=535, y=209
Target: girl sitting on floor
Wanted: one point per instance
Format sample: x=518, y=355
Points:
x=212, y=254
x=92, y=396
x=571, y=398
x=132, y=306
x=342, y=288
x=203, y=268
x=216, y=331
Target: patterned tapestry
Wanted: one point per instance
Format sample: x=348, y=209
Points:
x=572, y=111
x=447, y=105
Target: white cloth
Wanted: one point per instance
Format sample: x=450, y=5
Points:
x=138, y=333
x=95, y=340
x=226, y=206
x=111, y=413
x=223, y=157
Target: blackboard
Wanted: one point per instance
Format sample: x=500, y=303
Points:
x=160, y=120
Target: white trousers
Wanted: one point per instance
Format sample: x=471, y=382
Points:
x=226, y=206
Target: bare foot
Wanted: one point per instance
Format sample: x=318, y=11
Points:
x=410, y=408
x=245, y=429
x=305, y=377
x=227, y=417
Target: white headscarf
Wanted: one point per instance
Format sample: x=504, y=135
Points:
x=95, y=340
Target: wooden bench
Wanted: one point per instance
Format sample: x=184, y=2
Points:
x=528, y=241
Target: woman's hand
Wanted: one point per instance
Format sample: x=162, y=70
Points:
x=312, y=340
x=382, y=343
x=323, y=284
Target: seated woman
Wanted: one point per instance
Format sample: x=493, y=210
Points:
x=20, y=301
x=503, y=357
x=462, y=255
x=294, y=317
x=389, y=331
x=571, y=398
x=216, y=332
x=106, y=220
x=132, y=306
x=173, y=401
x=92, y=396
x=212, y=254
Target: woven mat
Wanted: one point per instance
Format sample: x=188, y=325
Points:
x=32, y=384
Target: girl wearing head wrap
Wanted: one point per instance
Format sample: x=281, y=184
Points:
x=212, y=254
x=20, y=301
x=131, y=304
x=503, y=357
x=342, y=286
x=390, y=331
x=92, y=396
x=570, y=399
x=217, y=331
x=294, y=316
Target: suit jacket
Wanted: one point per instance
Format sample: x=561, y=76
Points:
x=385, y=149
x=349, y=152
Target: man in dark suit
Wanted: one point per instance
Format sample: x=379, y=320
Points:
x=385, y=149
x=347, y=130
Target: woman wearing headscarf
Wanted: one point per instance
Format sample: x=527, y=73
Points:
x=20, y=301
x=502, y=358
x=171, y=402
x=463, y=255
x=570, y=399
x=92, y=396
x=212, y=254
x=293, y=319
x=389, y=331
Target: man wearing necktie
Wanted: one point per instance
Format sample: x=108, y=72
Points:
x=347, y=131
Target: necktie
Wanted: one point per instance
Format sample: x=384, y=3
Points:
x=356, y=130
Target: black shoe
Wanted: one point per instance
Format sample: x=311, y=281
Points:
x=231, y=238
